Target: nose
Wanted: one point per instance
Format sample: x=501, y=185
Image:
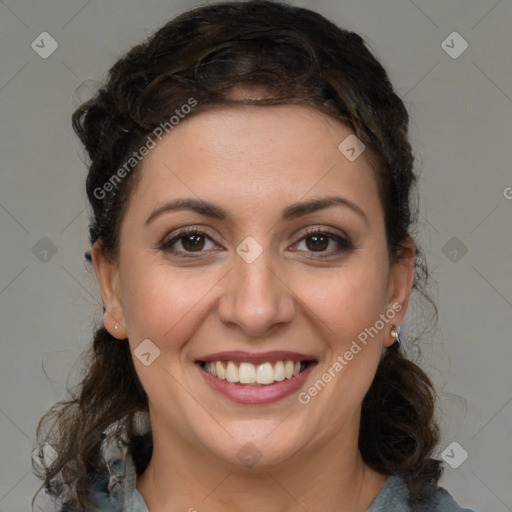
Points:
x=256, y=298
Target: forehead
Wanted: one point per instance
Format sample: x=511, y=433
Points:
x=252, y=155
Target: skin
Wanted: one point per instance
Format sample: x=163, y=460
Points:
x=253, y=162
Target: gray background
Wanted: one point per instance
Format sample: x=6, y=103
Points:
x=461, y=111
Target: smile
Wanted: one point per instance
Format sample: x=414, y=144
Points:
x=256, y=378
x=248, y=373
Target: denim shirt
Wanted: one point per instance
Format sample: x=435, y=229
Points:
x=116, y=491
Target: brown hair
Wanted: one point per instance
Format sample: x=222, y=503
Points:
x=295, y=56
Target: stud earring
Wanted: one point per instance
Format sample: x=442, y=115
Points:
x=116, y=326
x=395, y=333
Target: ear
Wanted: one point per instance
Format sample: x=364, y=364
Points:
x=107, y=274
x=401, y=280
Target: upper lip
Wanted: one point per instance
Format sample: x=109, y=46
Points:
x=239, y=356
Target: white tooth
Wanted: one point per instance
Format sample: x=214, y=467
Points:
x=221, y=373
x=265, y=374
x=247, y=373
x=288, y=369
x=279, y=371
x=296, y=369
x=212, y=368
x=232, y=372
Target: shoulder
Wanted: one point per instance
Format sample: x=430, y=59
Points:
x=114, y=483
x=116, y=491
x=395, y=496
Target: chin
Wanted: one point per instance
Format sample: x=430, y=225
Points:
x=259, y=444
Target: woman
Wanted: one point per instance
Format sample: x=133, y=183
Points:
x=249, y=179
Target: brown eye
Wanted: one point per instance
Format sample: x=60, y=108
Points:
x=317, y=242
x=192, y=242
x=186, y=243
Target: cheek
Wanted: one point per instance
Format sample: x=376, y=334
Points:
x=165, y=304
x=162, y=305
x=347, y=313
x=348, y=301
x=167, y=308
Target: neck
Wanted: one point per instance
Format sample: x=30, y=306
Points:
x=331, y=477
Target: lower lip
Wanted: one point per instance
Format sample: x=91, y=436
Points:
x=259, y=394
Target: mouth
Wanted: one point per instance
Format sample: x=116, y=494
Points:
x=248, y=374
x=256, y=378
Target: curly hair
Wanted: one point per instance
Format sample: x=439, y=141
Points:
x=294, y=56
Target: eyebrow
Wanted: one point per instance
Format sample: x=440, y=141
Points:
x=291, y=212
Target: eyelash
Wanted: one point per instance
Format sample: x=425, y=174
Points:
x=344, y=244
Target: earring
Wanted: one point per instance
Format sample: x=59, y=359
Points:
x=395, y=333
x=116, y=326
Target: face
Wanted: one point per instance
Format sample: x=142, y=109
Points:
x=274, y=271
